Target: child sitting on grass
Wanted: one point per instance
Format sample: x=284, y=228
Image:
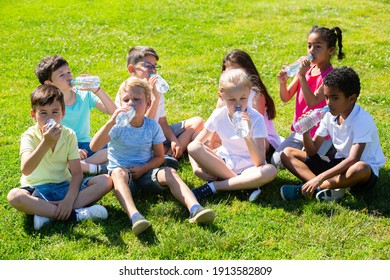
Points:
x=52, y=178
x=354, y=135
x=239, y=163
x=55, y=70
x=136, y=156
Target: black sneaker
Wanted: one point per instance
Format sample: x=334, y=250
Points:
x=171, y=161
x=202, y=192
x=202, y=216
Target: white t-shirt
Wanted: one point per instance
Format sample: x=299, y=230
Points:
x=234, y=150
x=359, y=127
x=160, y=110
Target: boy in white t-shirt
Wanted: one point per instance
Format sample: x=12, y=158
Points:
x=354, y=135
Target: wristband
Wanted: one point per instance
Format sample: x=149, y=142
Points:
x=94, y=92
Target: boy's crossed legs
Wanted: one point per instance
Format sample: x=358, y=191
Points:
x=92, y=189
x=358, y=176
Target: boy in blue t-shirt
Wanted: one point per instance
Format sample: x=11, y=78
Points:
x=354, y=135
x=136, y=157
x=54, y=70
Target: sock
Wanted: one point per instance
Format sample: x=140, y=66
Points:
x=93, y=168
x=136, y=214
x=194, y=207
x=211, y=185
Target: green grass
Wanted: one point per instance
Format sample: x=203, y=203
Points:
x=191, y=38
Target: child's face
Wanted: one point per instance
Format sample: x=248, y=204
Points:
x=135, y=97
x=235, y=96
x=318, y=48
x=43, y=113
x=61, y=78
x=338, y=103
x=143, y=68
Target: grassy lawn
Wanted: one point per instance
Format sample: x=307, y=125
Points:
x=191, y=38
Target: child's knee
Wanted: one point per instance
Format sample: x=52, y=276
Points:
x=361, y=168
x=195, y=147
x=15, y=196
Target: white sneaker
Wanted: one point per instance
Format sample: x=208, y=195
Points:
x=330, y=195
x=255, y=195
x=40, y=221
x=91, y=213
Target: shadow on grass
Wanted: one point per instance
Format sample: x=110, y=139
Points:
x=375, y=202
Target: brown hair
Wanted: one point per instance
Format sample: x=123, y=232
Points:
x=46, y=95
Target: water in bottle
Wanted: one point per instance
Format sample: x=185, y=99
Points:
x=50, y=123
x=124, y=118
x=161, y=85
x=86, y=82
x=241, y=128
x=306, y=123
x=293, y=68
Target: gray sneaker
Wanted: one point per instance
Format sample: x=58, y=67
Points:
x=330, y=195
x=40, y=221
x=93, y=212
x=202, y=216
x=140, y=224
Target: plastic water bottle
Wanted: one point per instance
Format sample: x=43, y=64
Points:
x=293, y=68
x=307, y=122
x=161, y=85
x=50, y=123
x=241, y=128
x=124, y=118
x=86, y=82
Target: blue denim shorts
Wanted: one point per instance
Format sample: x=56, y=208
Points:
x=177, y=128
x=53, y=191
x=85, y=146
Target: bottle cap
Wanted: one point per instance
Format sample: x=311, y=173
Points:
x=326, y=108
x=238, y=109
x=310, y=56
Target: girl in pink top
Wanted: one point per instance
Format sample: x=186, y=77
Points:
x=307, y=83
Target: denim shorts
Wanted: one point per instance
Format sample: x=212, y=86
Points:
x=178, y=129
x=147, y=183
x=53, y=191
x=85, y=146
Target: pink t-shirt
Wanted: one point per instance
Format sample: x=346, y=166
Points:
x=314, y=83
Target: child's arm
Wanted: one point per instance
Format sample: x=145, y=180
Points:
x=156, y=161
x=105, y=103
x=312, y=145
x=286, y=93
x=177, y=149
x=152, y=110
x=30, y=160
x=65, y=206
x=341, y=168
x=101, y=138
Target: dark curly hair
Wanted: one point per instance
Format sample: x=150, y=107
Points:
x=345, y=79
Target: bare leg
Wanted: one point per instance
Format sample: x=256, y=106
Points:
x=169, y=177
x=120, y=178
